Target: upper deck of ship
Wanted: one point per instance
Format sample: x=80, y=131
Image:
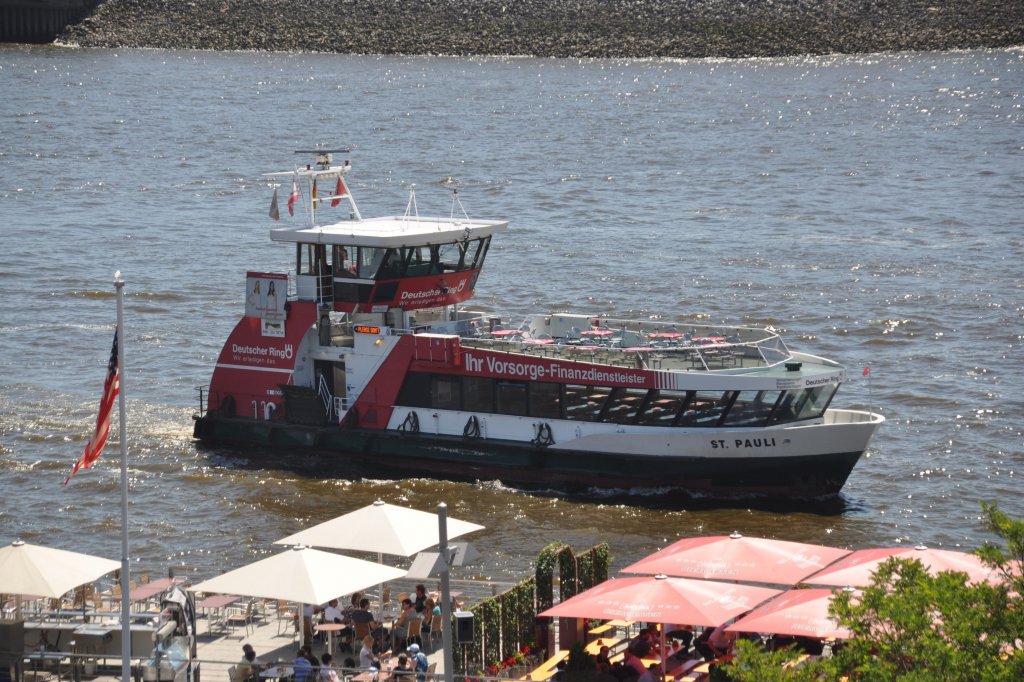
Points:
x=390, y=231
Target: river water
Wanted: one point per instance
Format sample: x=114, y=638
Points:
x=867, y=206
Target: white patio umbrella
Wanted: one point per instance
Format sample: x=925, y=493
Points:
x=382, y=528
x=301, y=574
x=45, y=572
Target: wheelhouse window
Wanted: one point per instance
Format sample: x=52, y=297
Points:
x=368, y=261
x=751, y=408
x=449, y=257
x=803, y=404
x=474, y=256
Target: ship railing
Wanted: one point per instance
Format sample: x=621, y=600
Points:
x=326, y=397
x=341, y=406
x=204, y=397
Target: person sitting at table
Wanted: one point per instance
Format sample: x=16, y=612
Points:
x=401, y=628
x=421, y=598
x=419, y=662
x=721, y=642
x=403, y=667
x=642, y=644
x=332, y=613
x=327, y=671
x=701, y=646
x=650, y=675
x=368, y=659
x=633, y=662
x=249, y=667
x=363, y=615
x=603, y=660
x=301, y=666
x=427, y=615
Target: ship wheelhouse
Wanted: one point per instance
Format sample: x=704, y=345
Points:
x=352, y=274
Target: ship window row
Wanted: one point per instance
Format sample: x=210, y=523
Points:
x=365, y=262
x=579, y=402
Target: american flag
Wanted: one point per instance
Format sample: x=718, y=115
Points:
x=111, y=387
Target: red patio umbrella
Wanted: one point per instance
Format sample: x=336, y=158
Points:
x=660, y=599
x=802, y=613
x=857, y=568
x=664, y=600
x=735, y=557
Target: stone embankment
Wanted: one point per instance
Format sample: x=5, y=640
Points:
x=555, y=28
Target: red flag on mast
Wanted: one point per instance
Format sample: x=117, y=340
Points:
x=111, y=387
x=293, y=198
x=339, y=191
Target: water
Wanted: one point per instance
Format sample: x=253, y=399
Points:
x=867, y=206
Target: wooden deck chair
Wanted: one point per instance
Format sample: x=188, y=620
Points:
x=413, y=631
x=286, y=618
x=233, y=674
x=362, y=630
x=431, y=669
x=244, y=619
x=435, y=631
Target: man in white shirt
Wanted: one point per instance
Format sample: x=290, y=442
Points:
x=333, y=614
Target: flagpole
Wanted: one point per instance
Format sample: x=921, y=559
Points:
x=447, y=614
x=126, y=631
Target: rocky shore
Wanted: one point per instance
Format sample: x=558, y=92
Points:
x=555, y=28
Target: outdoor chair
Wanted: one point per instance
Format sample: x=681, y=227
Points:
x=435, y=631
x=244, y=619
x=413, y=631
x=286, y=618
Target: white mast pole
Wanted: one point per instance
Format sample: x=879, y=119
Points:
x=126, y=632
x=448, y=616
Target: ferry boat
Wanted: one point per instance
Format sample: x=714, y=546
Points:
x=367, y=358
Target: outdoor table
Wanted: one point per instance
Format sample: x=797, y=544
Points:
x=384, y=674
x=330, y=629
x=594, y=648
x=215, y=602
x=277, y=672
x=38, y=657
